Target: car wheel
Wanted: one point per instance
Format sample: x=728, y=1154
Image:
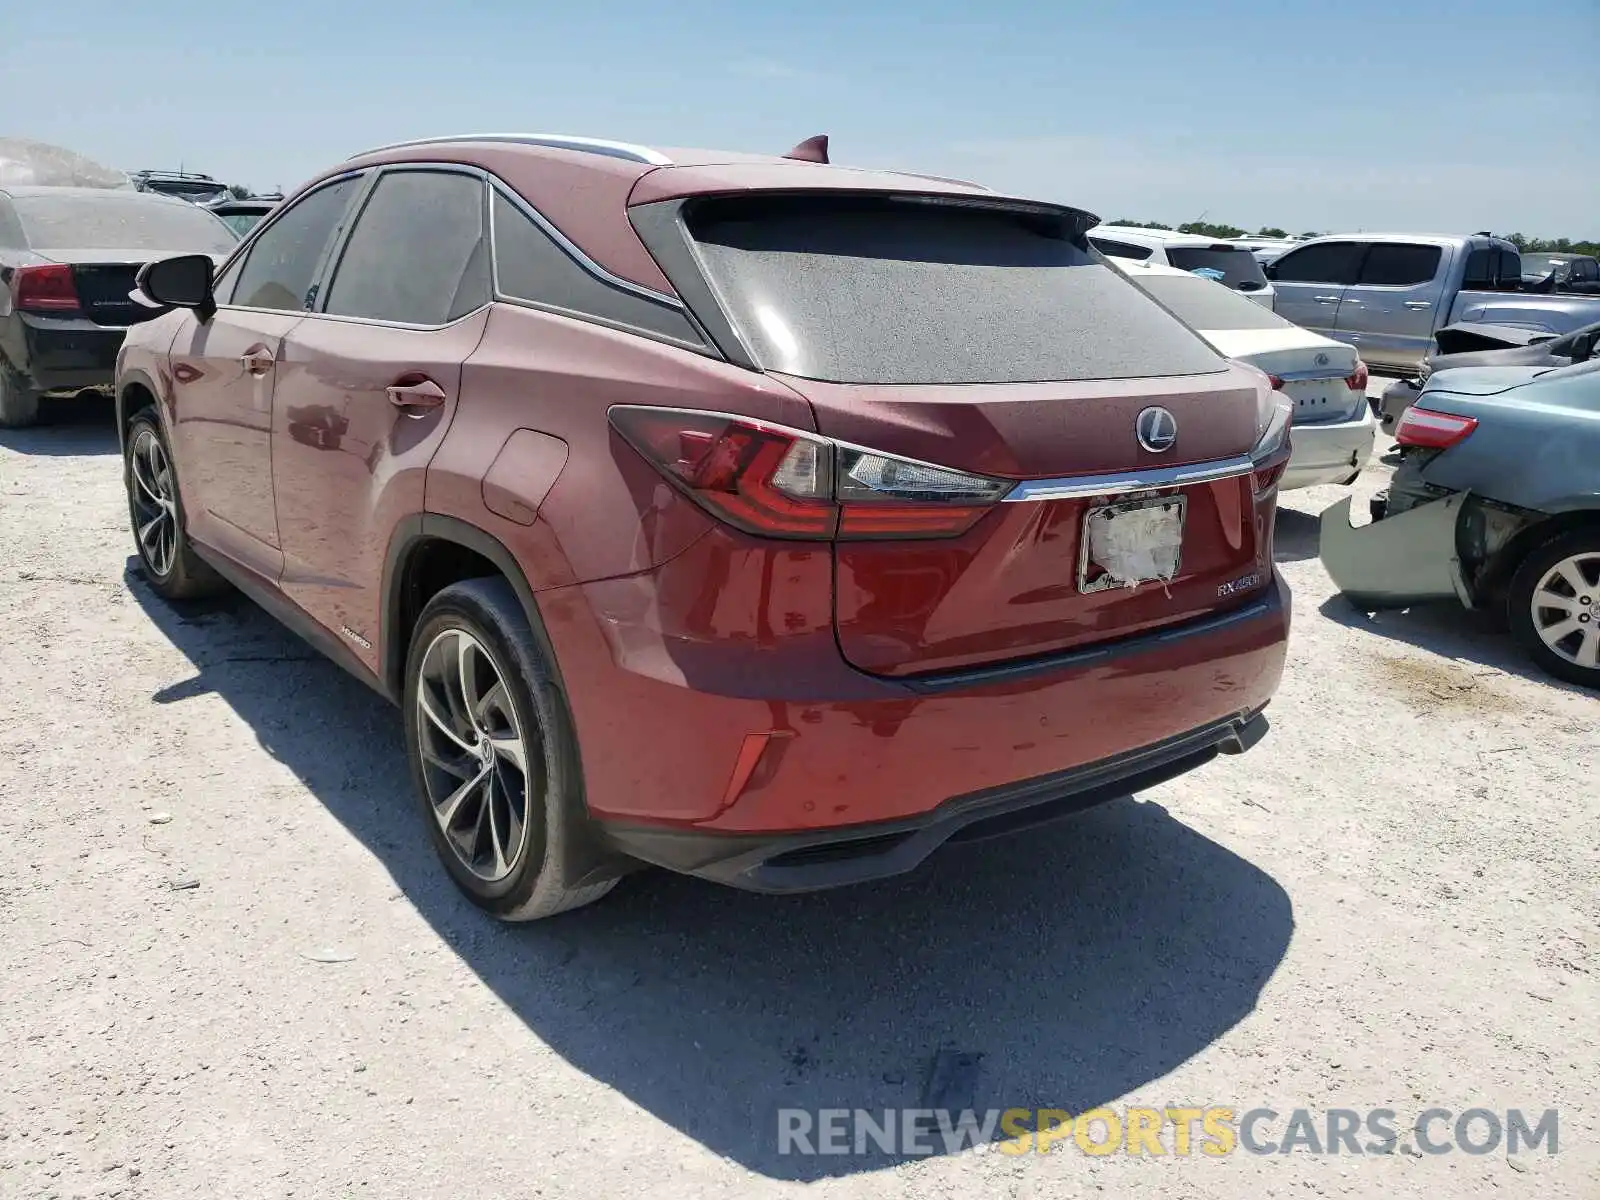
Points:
x=493, y=754
x=1554, y=606
x=19, y=404
x=170, y=564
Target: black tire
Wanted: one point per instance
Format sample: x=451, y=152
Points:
x=536, y=883
x=1526, y=617
x=19, y=404
x=178, y=573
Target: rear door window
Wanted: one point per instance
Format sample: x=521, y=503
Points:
x=1400, y=264
x=419, y=252
x=1326, y=262
x=1509, y=271
x=1238, y=266
x=1115, y=249
x=913, y=290
x=283, y=261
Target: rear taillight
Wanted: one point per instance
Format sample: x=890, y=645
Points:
x=47, y=289
x=1270, y=455
x=1358, y=381
x=1276, y=381
x=782, y=482
x=1434, y=430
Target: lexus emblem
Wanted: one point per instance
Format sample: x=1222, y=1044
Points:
x=1321, y=360
x=1156, y=429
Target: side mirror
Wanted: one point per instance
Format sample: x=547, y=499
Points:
x=182, y=282
x=1270, y=271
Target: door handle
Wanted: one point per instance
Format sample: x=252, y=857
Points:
x=415, y=399
x=1326, y=299
x=1418, y=304
x=257, y=360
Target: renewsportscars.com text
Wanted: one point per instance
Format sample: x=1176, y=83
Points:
x=1211, y=1131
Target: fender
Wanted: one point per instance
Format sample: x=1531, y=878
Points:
x=409, y=535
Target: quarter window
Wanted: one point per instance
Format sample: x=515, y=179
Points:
x=1326, y=262
x=418, y=254
x=282, y=264
x=1398, y=264
x=532, y=266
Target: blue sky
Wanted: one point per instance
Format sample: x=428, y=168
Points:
x=1421, y=115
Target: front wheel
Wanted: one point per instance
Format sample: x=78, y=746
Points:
x=493, y=754
x=1554, y=606
x=174, y=570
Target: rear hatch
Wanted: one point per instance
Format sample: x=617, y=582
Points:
x=984, y=337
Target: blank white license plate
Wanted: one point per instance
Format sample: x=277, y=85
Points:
x=1138, y=541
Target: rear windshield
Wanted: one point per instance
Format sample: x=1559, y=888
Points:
x=1240, y=269
x=901, y=290
x=1202, y=304
x=116, y=220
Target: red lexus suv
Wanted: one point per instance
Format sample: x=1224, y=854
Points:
x=755, y=517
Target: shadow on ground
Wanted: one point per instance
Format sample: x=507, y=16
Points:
x=1063, y=970
x=1449, y=630
x=75, y=425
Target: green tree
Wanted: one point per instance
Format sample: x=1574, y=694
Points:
x=1211, y=229
x=1271, y=231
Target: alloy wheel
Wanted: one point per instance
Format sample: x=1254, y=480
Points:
x=475, y=756
x=155, y=510
x=1566, y=609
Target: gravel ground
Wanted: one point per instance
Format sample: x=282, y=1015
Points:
x=232, y=968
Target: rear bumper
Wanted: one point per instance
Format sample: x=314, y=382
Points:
x=822, y=859
x=726, y=711
x=1330, y=453
x=68, y=353
x=1405, y=559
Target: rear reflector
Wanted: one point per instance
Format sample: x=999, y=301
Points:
x=47, y=289
x=782, y=482
x=1434, y=430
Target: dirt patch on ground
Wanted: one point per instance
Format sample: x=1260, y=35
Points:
x=1428, y=685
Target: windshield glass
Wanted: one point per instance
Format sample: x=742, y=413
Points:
x=1202, y=304
x=901, y=290
x=1238, y=266
x=241, y=222
x=114, y=220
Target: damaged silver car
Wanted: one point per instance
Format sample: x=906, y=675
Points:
x=1470, y=344
x=1496, y=502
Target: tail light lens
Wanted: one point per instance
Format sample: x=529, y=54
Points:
x=782, y=482
x=1358, y=381
x=1271, y=454
x=1434, y=430
x=47, y=289
x=1276, y=381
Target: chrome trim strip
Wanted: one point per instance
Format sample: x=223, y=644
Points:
x=570, y=248
x=1075, y=487
x=627, y=151
x=1307, y=376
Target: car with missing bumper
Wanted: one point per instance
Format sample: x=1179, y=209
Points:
x=1322, y=379
x=1496, y=502
x=764, y=520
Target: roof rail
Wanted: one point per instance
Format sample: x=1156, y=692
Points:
x=558, y=141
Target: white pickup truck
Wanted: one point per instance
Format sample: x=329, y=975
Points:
x=1386, y=293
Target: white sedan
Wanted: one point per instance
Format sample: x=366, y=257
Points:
x=1334, y=427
